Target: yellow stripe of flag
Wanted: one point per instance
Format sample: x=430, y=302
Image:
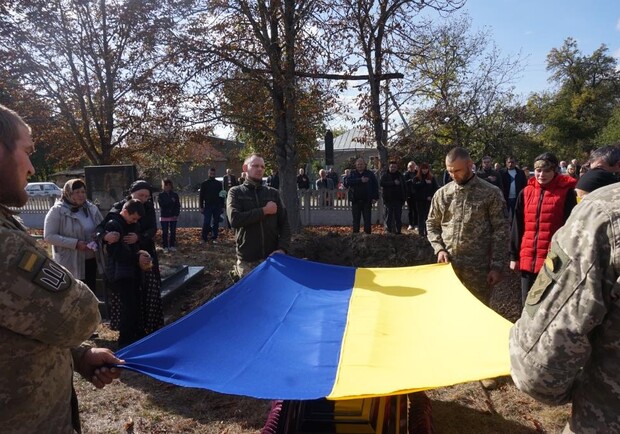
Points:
x=417, y=328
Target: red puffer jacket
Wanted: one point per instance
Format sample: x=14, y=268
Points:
x=543, y=215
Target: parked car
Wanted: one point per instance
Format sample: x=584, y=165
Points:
x=43, y=189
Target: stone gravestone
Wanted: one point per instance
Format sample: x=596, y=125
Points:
x=106, y=185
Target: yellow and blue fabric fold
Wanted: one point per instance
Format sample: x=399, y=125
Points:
x=294, y=329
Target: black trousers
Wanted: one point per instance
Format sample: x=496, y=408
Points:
x=90, y=273
x=393, y=219
x=423, y=208
x=361, y=208
x=412, y=212
x=527, y=280
x=131, y=326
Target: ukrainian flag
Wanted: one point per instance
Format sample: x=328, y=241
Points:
x=294, y=329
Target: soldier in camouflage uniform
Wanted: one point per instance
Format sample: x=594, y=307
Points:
x=45, y=313
x=467, y=226
x=566, y=345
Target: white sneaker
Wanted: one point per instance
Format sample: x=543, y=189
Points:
x=410, y=228
x=166, y=250
x=173, y=249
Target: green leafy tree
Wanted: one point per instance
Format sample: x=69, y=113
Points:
x=570, y=119
x=611, y=133
x=462, y=86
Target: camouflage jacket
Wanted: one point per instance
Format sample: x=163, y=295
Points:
x=44, y=314
x=566, y=345
x=468, y=221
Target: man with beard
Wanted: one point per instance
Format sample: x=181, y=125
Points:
x=466, y=226
x=45, y=313
x=258, y=216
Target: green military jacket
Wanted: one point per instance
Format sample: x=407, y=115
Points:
x=44, y=314
x=469, y=222
x=566, y=345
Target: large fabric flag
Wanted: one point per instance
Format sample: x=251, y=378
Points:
x=294, y=329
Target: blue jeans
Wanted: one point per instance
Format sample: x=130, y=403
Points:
x=211, y=222
x=169, y=228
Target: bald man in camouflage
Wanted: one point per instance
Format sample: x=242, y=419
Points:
x=467, y=226
x=566, y=345
x=45, y=313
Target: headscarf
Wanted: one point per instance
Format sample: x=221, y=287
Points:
x=70, y=186
x=140, y=184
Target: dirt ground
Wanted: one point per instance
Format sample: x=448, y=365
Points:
x=139, y=404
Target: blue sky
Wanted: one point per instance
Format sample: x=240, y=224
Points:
x=534, y=27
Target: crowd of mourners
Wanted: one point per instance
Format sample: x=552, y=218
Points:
x=556, y=223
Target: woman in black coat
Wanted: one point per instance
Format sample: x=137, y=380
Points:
x=151, y=311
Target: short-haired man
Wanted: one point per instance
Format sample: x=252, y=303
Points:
x=466, y=226
x=606, y=158
x=45, y=313
x=303, y=182
x=363, y=190
x=566, y=345
x=489, y=174
x=258, y=216
x=323, y=185
x=211, y=204
x=230, y=180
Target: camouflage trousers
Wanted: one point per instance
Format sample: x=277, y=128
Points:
x=476, y=281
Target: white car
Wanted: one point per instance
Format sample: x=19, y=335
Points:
x=43, y=189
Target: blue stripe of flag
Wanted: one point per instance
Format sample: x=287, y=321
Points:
x=276, y=334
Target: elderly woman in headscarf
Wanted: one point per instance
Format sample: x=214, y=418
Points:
x=151, y=311
x=70, y=229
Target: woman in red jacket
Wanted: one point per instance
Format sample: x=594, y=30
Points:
x=543, y=206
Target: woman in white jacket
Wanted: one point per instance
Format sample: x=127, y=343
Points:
x=70, y=229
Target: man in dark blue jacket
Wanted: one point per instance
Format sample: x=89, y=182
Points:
x=211, y=205
x=364, y=189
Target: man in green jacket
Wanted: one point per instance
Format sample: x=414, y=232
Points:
x=259, y=218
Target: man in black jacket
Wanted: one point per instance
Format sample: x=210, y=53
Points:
x=513, y=181
x=211, y=203
x=489, y=174
x=364, y=189
x=258, y=216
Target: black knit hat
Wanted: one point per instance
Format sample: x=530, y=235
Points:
x=140, y=184
x=595, y=178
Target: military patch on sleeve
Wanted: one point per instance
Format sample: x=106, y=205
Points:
x=555, y=264
x=43, y=272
